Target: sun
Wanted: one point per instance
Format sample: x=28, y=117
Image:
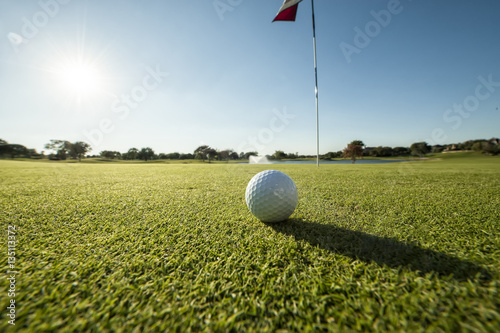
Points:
x=77, y=73
x=80, y=79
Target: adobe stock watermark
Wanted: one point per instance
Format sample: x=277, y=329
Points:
x=455, y=117
x=31, y=26
x=125, y=103
x=460, y=111
x=277, y=124
x=223, y=6
x=373, y=28
x=11, y=273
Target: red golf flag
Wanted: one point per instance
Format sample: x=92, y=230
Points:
x=288, y=11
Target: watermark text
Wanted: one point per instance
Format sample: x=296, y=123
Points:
x=11, y=273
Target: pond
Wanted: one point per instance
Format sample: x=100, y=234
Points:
x=333, y=162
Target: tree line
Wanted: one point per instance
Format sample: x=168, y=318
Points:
x=63, y=149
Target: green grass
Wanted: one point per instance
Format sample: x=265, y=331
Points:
x=170, y=247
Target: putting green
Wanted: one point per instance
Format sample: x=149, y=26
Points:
x=171, y=247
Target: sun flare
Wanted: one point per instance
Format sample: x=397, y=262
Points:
x=80, y=79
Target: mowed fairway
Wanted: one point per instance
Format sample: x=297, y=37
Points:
x=172, y=247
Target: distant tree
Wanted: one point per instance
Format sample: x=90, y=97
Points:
x=374, y=152
x=78, y=149
x=211, y=153
x=247, y=155
x=330, y=155
x=173, y=156
x=358, y=143
x=146, y=154
x=494, y=141
x=437, y=149
x=354, y=150
x=13, y=150
x=110, y=154
x=327, y=156
x=420, y=148
x=491, y=148
x=61, y=147
x=382, y=151
x=401, y=151
x=34, y=154
x=477, y=146
x=131, y=154
x=223, y=155
x=201, y=152
x=279, y=154
x=169, y=156
x=186, y=156
x=4, y=150
x=467, y=145
x=227, y=154
x=205, y=152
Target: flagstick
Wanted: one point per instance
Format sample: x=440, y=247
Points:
x=316, y=78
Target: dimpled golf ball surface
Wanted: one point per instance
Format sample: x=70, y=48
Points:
x=271, y=196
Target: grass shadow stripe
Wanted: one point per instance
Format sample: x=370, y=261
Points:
x=383, y=251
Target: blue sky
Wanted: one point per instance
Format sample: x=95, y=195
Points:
x=173, y=75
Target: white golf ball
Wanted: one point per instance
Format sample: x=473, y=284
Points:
x=271, y=196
